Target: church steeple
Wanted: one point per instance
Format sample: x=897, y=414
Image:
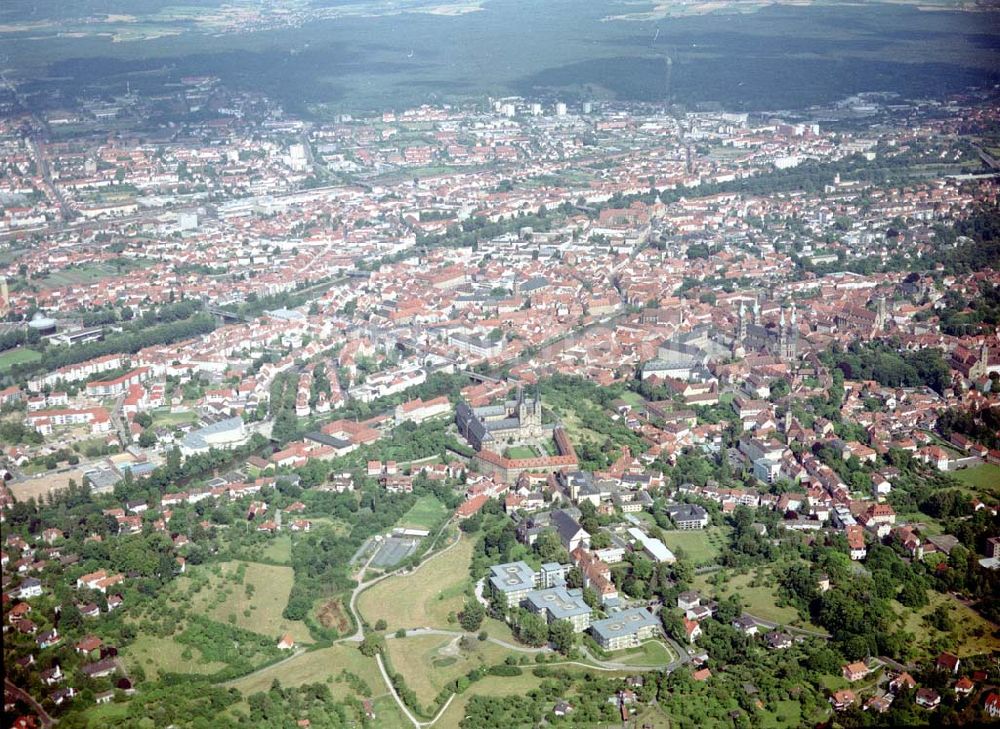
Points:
x=782, y=336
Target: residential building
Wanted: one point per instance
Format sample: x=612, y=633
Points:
x=625, y=629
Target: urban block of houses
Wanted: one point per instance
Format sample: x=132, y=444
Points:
x=45, y=421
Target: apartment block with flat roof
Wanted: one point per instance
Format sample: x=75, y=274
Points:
x=560, y=603
x=625, y=629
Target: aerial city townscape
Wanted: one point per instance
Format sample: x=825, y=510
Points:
x=560, y=383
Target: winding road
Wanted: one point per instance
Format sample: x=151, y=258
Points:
x=47, y=721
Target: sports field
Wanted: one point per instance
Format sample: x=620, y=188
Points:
x=393, y=551
x=17, y=356
x=424, y=514
x=432, y=592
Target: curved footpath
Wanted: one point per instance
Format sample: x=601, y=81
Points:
x=790, y=628
x=682, y=656
x=359, y=634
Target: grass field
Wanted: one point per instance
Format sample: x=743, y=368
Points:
x=107, y=714
x=634, y=399
x=759, y=601
x=388, y=715
x=432, y=592
x=165, y=655
x=429, y=662
x=163, y=417
x=926, y=524
x=653, y=717
x=17, y=356
x=650, y=653
x=578, y=432
x=80, y=275
x=785, y=713
x=489, y=686
x=700, y=545
x=338, y=526
x=276, y=550
x=279, y=550
x=832, y=683
x=972, y=634
x=519, y=685
x=788, y=713
x=984, y=478
x=323, y=666
x=259, y=611
x=516, y=452
x=424, y=514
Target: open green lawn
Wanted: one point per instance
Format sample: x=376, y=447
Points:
x=273, y=550
x=927, y=525
x=107, y=714
x=578, y=432
x=424, y=514
x=634, y=399
x=279, y=550
x=650, y=653
x=323, y=666
x=19, y=355
x=517, y=452
x=258, y=609
x=652, y=716
x=489, y=686
x=984, y=479
x=702, y=546
x=388, y=714
x=163, y=417
x=833, y=683
x=85, y=274
x=784, y=714
x=431, y=592
x=519, y=685
x=972, y=634
x=429, y=662
x=759, y=601
x=338, y=526
x=165, y=655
